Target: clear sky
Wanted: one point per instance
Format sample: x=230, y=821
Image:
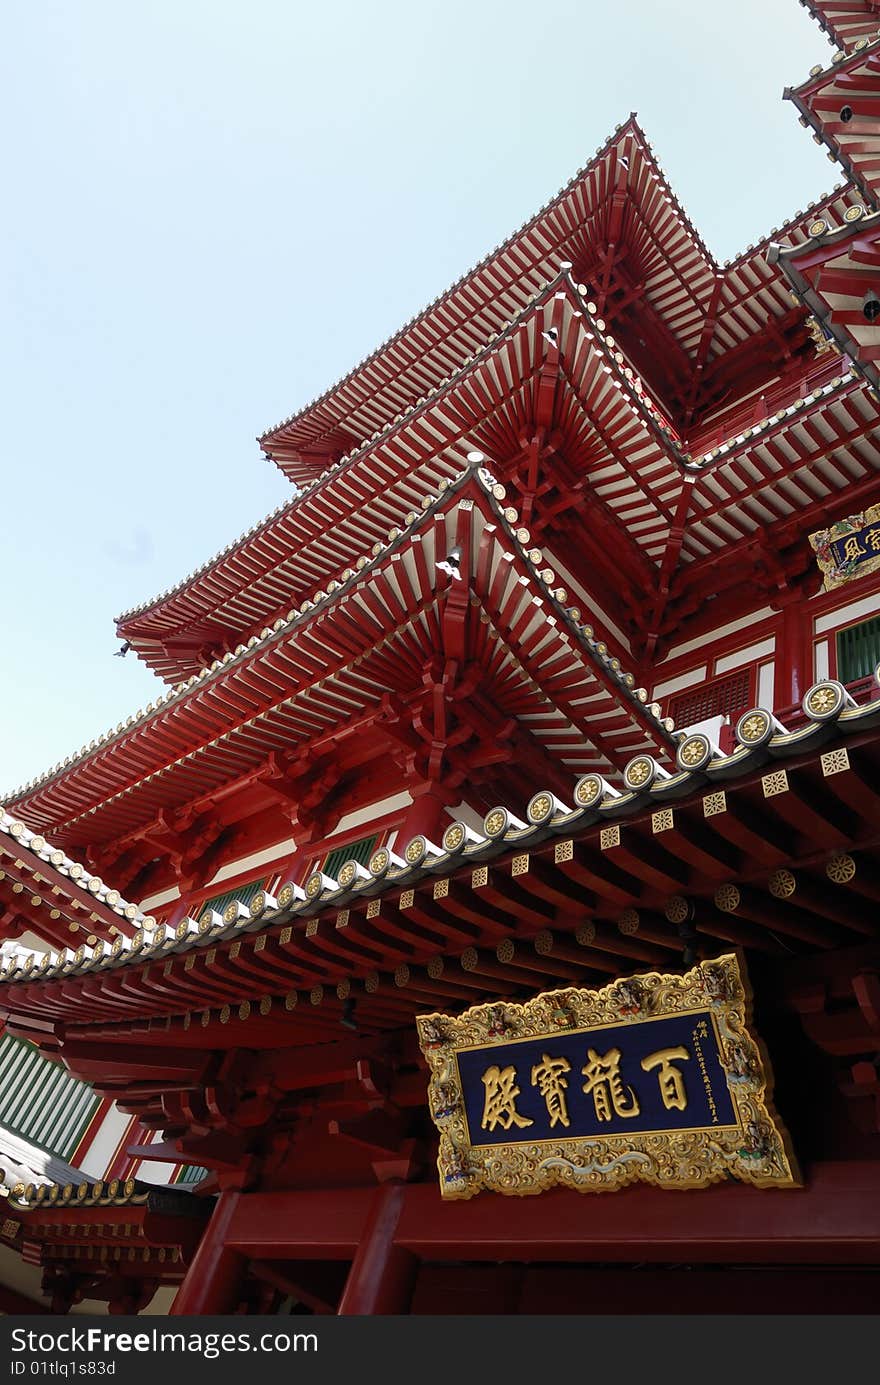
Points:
x=213, y=210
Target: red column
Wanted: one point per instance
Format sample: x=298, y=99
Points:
x=426, y=815
x=382, y=1274
x=179, y=909
x=794, y=672
x=213, y=1280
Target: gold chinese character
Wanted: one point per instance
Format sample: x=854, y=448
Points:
x=606, y=1084
x=501, y=1094
x=852, y=550
x=671, y=1081
x=874, y=540
x=548, y=1075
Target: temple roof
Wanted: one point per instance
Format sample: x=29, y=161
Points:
x=845, y=21
x=627, y=239
x=832, y=274
x=676, y=265
x=110, y=1236
x=753, y=461
x=330, y=666
x=519, y=901
x=46, y=892
x=488, y=404
x=23, y=1164
x=714, y=345
x=841, y=104
x=616, y=441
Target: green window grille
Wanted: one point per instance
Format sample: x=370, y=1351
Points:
x=245, y=893
x=355, y=851
x=190, y=1173
x=858, y=650
x=40, y=1101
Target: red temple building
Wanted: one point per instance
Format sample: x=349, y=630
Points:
x=559, y=666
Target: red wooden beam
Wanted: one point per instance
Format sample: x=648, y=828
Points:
x=834, y=1219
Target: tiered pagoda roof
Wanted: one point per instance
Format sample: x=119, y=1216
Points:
x=773, y=847
x=834, y=273
x=840, y=103
x=43, y=890
x=332, y=619
x=741, y=355
x=620, y=197
x=598, y=441
x=625, y=235
x=609, y=424
x=845, y=21
x=421, y=603
x=119, y=1241
x=367, y=655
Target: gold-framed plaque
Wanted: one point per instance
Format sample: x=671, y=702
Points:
x=654, y=1078
x=848, y=549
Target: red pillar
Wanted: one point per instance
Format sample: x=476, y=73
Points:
x=794, y=655
x=382, y=1274
x=213, y=1280
x=426, y=815
x=179, y=910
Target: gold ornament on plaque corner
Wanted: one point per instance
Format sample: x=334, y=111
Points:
x=848, y=549
x=653, y=1078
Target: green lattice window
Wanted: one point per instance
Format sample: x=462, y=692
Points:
x=245, y=893
x=40, y=1101
x=355, y=851
x=858, y=650
x=190, y=1173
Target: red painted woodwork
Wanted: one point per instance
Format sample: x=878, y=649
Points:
x=427, y=815
x=656, y=436
x=383, y=1272
x=790, y=662
x=215, y=1276
x=330, y=1223
x=834, y=1219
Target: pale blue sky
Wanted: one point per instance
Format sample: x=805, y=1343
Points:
x=213, y=210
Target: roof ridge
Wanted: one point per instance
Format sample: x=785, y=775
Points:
x=630, y=125
x=828, y=26
x=36, y=844
x=646, y=785
x=533, y=558
x=348, y=458
x=179, y=690
x=422, y=403
x=840, y=189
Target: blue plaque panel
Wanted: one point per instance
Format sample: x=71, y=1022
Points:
x=663, y=1074
x=654, y=1077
